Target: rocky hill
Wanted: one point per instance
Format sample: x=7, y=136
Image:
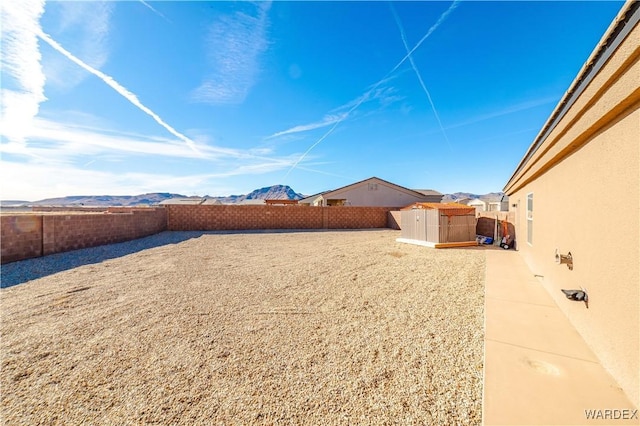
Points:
x=276, y=192
x=107, y=200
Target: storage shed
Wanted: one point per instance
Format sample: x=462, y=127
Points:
x=438, y=225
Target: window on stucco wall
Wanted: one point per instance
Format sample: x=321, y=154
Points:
x=530, y=218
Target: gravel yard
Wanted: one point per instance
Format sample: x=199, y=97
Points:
x=329, y=327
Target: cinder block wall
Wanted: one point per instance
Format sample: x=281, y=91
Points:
x=394, y=220
x=33, y=235
x=72, y=232
x=238, y=217
x=21, y=237
x=486, y=223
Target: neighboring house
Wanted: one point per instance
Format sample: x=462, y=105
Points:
x=251, y=201
x=479, y=204
x=430, y=195
x=589, y=145
x=372, y=192
x=463, y=200
x=314, y=200
x=499, y=203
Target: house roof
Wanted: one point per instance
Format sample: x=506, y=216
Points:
x=625, y=21
x=252, y=201
x=428, y=192
x=183, y=201
x=495, y=198
x=416, y=193
x=476, y=201
x=312, y=197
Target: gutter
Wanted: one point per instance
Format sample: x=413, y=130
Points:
x=625, y=21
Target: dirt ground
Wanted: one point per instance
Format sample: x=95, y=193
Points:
x=250, y=328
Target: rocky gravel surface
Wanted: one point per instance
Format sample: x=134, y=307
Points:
x=345, y=327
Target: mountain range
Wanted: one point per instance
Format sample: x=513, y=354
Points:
x=275, y=192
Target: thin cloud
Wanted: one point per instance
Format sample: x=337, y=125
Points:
x=328, y=120
x=63, y=180
x=415, y=69
x=364, y=97
x=533, y=103
x=59, y=142
x=54, y=141
x=118, y=88
x=66, y=155
x=234, y=44
x=21, y=62
x=383, y=95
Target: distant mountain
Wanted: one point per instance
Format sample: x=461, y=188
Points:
x=9, y=203
x=107, y=200
x=276, y=192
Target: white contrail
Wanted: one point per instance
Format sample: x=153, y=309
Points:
x=340, y=120
x=117, y=87
x=415, y=68
x=155, y=11
x=434, y=27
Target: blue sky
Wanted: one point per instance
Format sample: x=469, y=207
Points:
x=220, y=98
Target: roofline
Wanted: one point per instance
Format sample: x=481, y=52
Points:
x=382, y=180
x=314, y=195
x=618, y=31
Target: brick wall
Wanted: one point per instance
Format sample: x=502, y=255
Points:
x=487, y=220
x=33, y=235
x=21, y=237
x=51, y=209
x=238, y=217
x=395, y=220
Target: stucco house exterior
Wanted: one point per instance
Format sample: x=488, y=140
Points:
x=372, y=192
x=591, y=145
x=498, y=203
x=479, y=204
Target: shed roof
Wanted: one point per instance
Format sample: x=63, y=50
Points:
x=461, y=208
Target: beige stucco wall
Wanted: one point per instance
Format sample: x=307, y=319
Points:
x=384, y=196
x=585, y=180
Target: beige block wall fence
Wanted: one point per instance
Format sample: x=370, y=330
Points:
x=49, y=230
x=57, y=230
x=229, y=217
x=32, y=235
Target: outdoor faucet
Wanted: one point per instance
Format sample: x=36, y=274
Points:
x=564, y=259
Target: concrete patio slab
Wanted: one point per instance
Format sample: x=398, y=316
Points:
x=538, y=370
